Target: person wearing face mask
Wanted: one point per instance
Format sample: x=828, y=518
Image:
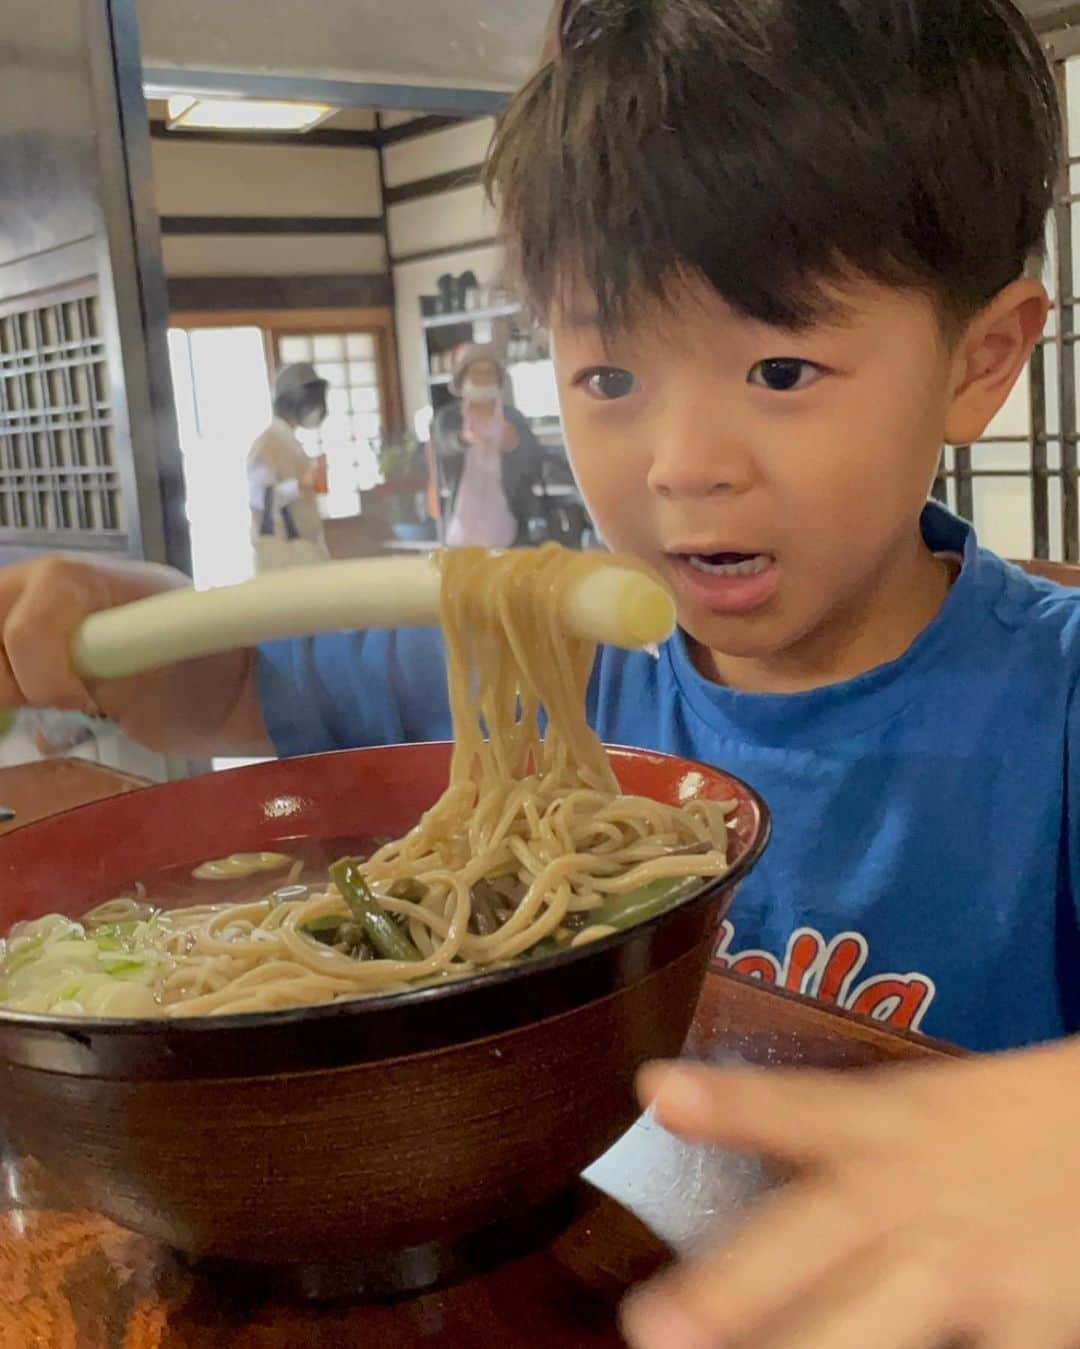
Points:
x=487, y=458
x=283, y=480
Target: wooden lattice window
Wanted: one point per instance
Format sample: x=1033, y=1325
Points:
x=1021, y=483
x=58, y=475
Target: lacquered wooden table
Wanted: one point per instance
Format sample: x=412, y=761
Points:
x=72, y=1280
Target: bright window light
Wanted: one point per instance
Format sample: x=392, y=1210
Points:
x=536, y=390
x=242, y=114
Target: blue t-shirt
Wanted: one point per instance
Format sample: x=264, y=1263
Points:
x=925, y=863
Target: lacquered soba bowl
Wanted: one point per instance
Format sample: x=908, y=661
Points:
x=361, y=1146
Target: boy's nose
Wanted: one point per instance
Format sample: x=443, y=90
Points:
x=687, y=464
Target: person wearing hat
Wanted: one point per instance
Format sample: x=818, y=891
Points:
x=486, y=456
x=283, y=480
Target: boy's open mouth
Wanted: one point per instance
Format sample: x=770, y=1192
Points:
x=725, y=582
x=729, y=564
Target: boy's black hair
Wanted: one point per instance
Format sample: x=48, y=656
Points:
x=776, y=146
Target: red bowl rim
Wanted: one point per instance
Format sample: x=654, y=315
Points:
x=82, y=1029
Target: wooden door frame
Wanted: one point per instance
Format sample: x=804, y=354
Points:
x=277, y=323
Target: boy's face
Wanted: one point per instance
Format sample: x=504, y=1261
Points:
x=773, y=477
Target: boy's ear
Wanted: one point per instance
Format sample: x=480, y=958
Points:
x=991, y=356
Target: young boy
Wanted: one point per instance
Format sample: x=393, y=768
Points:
x=785, y=250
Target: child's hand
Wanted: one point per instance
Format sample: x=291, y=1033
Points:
x=201, y=707
x=42, y=603
x=932, y=1207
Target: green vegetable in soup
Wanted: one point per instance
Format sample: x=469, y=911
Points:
x=381, y=930
x=113, y=936
x=55, y=965
x=340, y=934
x=24, y=954
x=638, y=906
x=323, y=927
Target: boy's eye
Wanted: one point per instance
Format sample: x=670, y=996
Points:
x=608, y=383
x=785, y=374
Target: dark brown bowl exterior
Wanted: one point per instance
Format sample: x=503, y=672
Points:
x=341, y=1132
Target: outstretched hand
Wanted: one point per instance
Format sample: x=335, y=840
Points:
x=931, y=1206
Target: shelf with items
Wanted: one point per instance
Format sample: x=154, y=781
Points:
x=468, y=316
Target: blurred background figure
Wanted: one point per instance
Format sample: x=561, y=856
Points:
x=284, y=482
x=487, y=460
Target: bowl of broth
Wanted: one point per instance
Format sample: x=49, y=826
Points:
x=359, y=1145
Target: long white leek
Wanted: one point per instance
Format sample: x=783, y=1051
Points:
x=613, y=604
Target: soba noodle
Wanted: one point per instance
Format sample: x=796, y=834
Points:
x=531, y=848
